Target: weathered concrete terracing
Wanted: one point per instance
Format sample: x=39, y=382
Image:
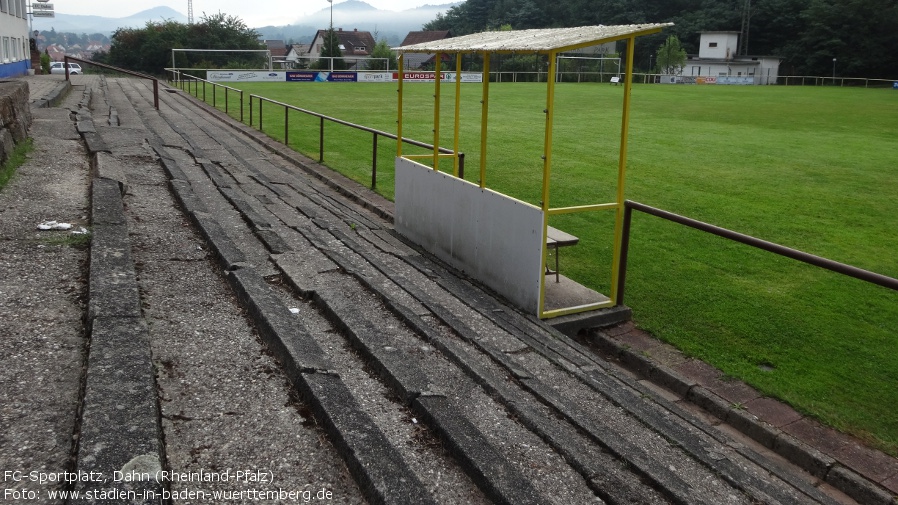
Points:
x=256, y=327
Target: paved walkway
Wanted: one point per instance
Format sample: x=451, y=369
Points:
x=254, y=325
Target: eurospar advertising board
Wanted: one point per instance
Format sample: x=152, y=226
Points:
x=444, y=76
x=318, y=76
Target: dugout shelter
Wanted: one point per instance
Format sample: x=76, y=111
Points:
x=496, y=239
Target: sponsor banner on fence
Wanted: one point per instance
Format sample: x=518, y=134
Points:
x=444, y=76
x=722, y=79
x=376, y=77
x=732, y=79
x=245, y=76
x=315, y=76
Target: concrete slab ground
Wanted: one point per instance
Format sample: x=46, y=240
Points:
x=43, y=300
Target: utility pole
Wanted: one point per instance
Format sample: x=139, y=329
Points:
x=189, y=12
x=330, y=34
x=746, y=25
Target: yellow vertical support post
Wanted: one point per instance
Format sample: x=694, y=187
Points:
x=547, y=170
x=399, y=119
x=436, y=110
x=484, y=114
x=622, y=168
x=457, y=112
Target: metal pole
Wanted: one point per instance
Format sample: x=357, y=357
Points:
x=484, y=113
x=456, y=126
x=549, y=112
x=330, y=35
x=374, y=163
x=622, y=168
x=321, y=141
x=624, y=254
x=437, y=71
x=400, y=74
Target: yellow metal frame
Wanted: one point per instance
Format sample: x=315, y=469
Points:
x=617, y=206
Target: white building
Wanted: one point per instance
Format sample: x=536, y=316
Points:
x=15, y=55
x=717, y=62
x=298, y=56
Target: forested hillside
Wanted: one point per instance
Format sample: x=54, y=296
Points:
x=861, y=34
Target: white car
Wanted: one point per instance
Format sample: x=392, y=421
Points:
x=58, y=67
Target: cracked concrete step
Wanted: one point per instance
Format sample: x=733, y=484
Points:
x=223, y=403
x=332, y=402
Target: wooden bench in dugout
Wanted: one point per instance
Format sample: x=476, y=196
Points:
x=556, y=238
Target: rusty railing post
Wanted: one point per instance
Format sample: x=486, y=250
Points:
x=321, y=141
x=374, y=163
x=624, y=252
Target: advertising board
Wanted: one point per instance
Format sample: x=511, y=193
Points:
x=444, y=76
x=245, y=76
x=316, y=76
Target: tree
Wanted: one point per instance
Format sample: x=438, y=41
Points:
x=100, y=57
x=148, y=49
x=384, y=57
x=861, y=34
x=671, y=57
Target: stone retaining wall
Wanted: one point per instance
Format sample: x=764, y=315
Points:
x=15, y=116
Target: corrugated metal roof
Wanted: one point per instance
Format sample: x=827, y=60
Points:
x=538, y=40
x=424, y=36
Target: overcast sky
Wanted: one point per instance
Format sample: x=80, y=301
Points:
x=253, y=13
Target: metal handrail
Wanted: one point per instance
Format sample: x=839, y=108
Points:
x=66, y=59
x=818, y=261
x=180, y=81
x=375, y=132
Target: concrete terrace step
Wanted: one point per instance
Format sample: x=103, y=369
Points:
x=291, y=330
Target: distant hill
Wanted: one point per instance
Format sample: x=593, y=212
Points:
x=349, y=15
x=355, y=14
x=75, y=23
